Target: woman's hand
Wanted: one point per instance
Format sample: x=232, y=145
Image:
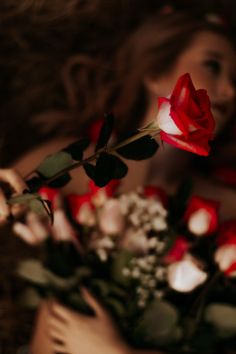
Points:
x=74, y=333
x=15, y=184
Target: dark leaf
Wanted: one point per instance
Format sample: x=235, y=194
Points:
x=140, y=149
x=76, y=149
x=60, y=181
x=105, y=132
x=109, y=167
x=35, y=183
x=120, y=168
x=89, y=170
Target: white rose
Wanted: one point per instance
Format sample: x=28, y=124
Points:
x=225, y=256
x=199, y=222
x=86, y=216
x=185, y=275
x=111, y=220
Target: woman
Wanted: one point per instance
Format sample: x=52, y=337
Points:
x=146, y=67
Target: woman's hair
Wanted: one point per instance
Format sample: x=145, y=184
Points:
x=77, y=61
x=117, y=83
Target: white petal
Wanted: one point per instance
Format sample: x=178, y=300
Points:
x=111, y=219
x=165, y=122
x=225, y=256
x=185, y=276
x=86, y=215
x=199, y=222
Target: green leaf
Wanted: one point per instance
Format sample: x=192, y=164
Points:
x=105, y=132
x=25, y=199
x=116, y=306
x=158, y=324
x=62, y=283
x=77, y=302
x=38, y=207
x=30, y=298
x=60, y=181
x=141, y=149
x=76, y=149
x=121, y=261
x=55, y=163
x=223, y=317
x=32, y=271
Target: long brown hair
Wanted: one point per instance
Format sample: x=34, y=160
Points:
x=86, y=74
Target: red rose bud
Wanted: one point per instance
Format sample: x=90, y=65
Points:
x=94, y=130
x=51, y=194
x=177, y=251
x=225, y=257
x=156, y=192
x=81, y=208
x=185, y=119
x=201, y=216
x=100, y=195
x=227, y=233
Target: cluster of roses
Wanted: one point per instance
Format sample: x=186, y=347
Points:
x=138, y=223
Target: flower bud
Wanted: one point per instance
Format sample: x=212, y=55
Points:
x=185, y=275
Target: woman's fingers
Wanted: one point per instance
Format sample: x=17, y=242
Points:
x=94, y=304
x=12, y=178
x=38, y=226
x=25, y=233
x=4, y=207
x=62, y=229
x=59, y=348
x=60, y=312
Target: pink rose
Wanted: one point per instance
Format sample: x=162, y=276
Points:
x=185, y=119
x=201, y=216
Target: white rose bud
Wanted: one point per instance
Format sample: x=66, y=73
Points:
x=111, y=219
x=185, y=275
x=86, y=215
x=225, y=256
x=199, y=222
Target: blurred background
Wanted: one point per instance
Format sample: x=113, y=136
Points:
x=32, y=34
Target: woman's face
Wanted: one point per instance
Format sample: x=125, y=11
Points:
x=211, y=61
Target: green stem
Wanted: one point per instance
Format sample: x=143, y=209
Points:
x=143, y=132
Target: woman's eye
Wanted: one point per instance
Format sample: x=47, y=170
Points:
x=213, y=66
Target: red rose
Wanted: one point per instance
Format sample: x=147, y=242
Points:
x=177, y=251
x=227, y=233
x=82, y=206
x=201, y=216
x=156, y=192
x=185, y=119
x=51, y=194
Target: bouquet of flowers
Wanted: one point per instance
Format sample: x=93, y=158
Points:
x=170, y=284
x=163, y=266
